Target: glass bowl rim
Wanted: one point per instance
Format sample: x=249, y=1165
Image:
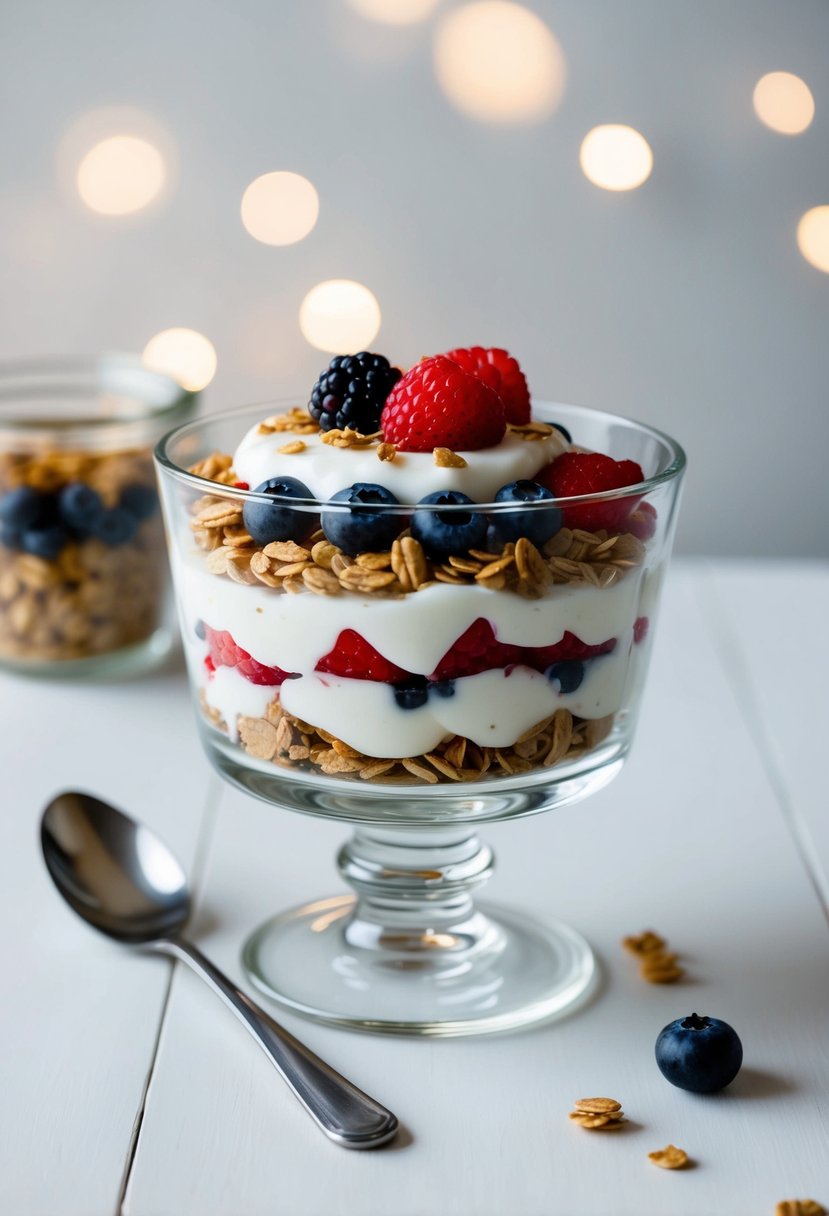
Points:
x=203, y=485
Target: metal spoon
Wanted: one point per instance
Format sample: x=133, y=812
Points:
x=124, y=881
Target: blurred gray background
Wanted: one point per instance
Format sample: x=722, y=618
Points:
x=685, y=302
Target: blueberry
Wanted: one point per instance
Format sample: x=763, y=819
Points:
x=446, y=533
x=27, y=508
x=412, y=694
x=199, y=630
x=9, y=536
x=81, y=508
x=701, y=1054
x=366, y=525
x=568, y=674
x=140, y=501
x=538, y=526
x=266, y=521
x=444, y=688
x=44, y=542
x=116, y=526
x=563, y=431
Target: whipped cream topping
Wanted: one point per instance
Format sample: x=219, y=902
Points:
x=325, y=469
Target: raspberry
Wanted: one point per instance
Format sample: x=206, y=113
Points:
x=567, y=650
x=475, y=651
x=355, y=658
x=224, y=652
x=438, y=404
x=640, y=629
x=575, y=473
x=241, y=485
x=642, y=522
x=500, y=371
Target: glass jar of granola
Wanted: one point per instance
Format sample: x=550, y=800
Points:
x=83, y=571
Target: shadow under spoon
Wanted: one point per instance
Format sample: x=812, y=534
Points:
x=124, y=881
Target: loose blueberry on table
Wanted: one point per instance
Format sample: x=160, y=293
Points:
x=699, y=1053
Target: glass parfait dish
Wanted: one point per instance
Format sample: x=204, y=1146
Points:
x=372, y=676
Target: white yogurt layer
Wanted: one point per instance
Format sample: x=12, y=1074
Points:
x=325, y=469
x=415, y=631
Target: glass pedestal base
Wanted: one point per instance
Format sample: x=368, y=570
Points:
x=494, y=971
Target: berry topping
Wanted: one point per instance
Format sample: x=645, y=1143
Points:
x=640, y=629
x=438, y=404
x=500, y=371
x=140, y=501
x=81, y=508
x=575, y=473
x=352, y=392
x=412, y=693
x=356, y=659
x=475, y=651
x=701, y=1054
x=224, y=652
x=446, y=533
x=365, y=525
x=267, y=522
x=568, y=675
x=537, y=525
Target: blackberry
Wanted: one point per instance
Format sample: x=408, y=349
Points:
x=352, y=392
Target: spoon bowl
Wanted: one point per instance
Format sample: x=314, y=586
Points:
x=114, y=872
x=123, y=881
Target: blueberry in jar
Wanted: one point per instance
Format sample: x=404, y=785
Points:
x=25, y=507
x=699, y=1053
x=81, y=508
x=536, y=525
x=366, y=525
x=276, y=520
x=116, y=527
x=444, y=534
x=44, y=542
x=141, y=501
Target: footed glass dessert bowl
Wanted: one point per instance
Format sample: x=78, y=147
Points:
x=418, y=640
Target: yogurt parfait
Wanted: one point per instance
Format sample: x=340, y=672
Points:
x=418, y=579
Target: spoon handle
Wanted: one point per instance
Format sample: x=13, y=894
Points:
x=342, y=1111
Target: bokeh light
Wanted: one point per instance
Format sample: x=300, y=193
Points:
x=184, y=354
x=615, y=157
x=340, y=316
x=120, y=174
x=784, y=102
x=280, y=208
x=813, y=237
x=498, y=62
x=395, y=12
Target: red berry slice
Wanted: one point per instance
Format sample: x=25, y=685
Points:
x=640, y=629
x=498, y=369
x=575, y=473
x=642, y=523
x=475, y=651
x=439, y=405
x=356, y=659
x=570, y=647
x=224, y=652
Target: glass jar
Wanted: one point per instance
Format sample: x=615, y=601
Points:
x=83, y=570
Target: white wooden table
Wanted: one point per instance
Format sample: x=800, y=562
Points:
x=126, y=1087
